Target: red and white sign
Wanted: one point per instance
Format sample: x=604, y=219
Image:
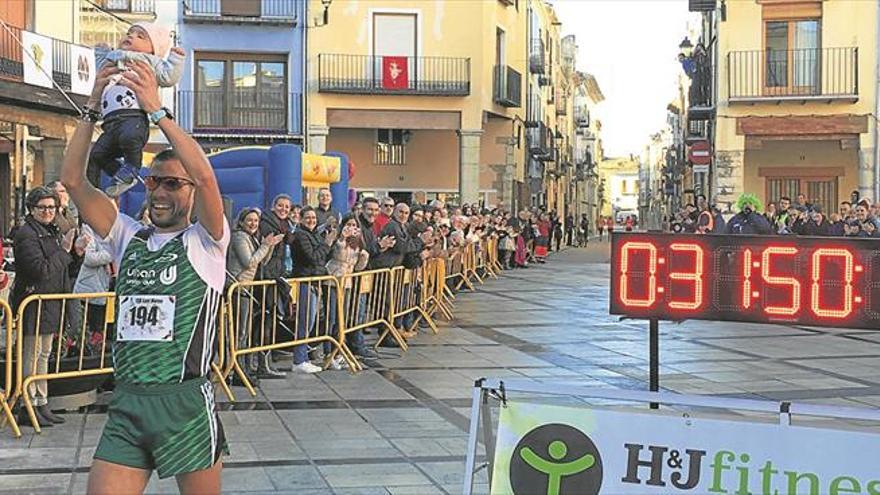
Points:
x=700, y=153
x=395, y=73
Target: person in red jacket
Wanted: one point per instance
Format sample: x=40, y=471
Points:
x=386, y=208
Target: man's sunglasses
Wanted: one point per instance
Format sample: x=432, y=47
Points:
x=152, y=182
x=388, y=206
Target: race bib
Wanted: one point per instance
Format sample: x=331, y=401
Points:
x=145, y=318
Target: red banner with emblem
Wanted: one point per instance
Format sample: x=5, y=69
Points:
x=395, y=74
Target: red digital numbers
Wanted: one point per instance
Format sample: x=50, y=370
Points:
x=816, y=301
x=626, y=253
x=762, y=280
x=695, y=276
x=775, y=280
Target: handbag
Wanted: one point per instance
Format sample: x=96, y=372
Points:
x=507, y=244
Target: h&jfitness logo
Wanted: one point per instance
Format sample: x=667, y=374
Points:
x=555, y=459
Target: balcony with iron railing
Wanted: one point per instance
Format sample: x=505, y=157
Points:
x=507, y=86
x=242, y=11
x=539, y=142
x=536, y=56
x=562, y=105
x=12, y=63
x=126, y=6
x=109, y=23
x=378, y=75
x=802, y=75
x=240, y=112
x=581, y=116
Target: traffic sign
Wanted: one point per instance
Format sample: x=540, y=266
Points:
x=700, y=153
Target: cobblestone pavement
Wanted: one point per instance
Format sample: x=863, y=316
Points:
x=400, y=426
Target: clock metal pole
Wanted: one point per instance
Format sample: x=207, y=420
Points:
x=654, y=357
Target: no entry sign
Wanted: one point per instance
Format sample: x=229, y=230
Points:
x=700, y=153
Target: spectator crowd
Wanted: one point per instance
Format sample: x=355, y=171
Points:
x=52, y=252
x=855, y=217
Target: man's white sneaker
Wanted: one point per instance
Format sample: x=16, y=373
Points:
x=307, y=367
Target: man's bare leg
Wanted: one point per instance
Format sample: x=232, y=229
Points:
x=107, y=478
x=206, y=481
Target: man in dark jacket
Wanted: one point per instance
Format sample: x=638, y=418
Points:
x=325, y=210
x=372, y=243
x=404, y=243
x=815, y=225
x=749, y=219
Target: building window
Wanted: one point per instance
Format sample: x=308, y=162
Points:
x=818, y=190
x=247, y=92
x=391, y=146
x=792, y=56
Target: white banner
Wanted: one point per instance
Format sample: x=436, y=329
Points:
x=557, y=450
x=82, y=69
x=37, y=59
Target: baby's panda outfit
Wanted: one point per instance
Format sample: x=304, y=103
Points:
x=126, y=127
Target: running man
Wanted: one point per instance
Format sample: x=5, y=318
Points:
x=162, y=416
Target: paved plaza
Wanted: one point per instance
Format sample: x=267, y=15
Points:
x=400, y=427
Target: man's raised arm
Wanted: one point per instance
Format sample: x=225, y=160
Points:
x=208, y=204
x=95, y=208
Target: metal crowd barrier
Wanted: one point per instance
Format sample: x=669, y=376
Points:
x=6, y=322
x=369, y=303
x=409, y=297
x=434, y=277
x=302, y=311
x=259, y=317
x=84, y=366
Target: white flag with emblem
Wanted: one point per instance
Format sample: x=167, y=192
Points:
x=82, y=69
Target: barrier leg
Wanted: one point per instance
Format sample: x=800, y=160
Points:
x=26, y=397
x=390, y=330
x=447, y=312
x=7, y=413
x=222, y=382
x=242, y=376
x=449, y=294
x=424, y=314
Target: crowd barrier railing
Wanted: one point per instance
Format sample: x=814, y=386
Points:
x=409, y=298
x=7, y=324
x=31, y=315
x=221, y=352
x=270, y=315
x=434, y=277
x=369, y=302
x=256, y=317
x=488, y=260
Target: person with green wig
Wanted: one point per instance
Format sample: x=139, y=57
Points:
x=749, y=220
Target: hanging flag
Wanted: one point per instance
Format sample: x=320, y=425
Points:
x=37, y=59
x=82, y=77
x=395, y=74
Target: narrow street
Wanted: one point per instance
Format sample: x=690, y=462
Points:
x=401, y=426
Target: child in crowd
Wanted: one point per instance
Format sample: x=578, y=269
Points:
x=126, y=128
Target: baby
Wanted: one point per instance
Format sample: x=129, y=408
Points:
x=126, y=127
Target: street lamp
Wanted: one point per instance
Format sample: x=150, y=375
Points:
x=686, y=48
x=326, y=4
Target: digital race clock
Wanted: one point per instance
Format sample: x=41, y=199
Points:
x=827, y=281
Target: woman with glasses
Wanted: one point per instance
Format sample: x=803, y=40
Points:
x=43, y=259
x=247, y=251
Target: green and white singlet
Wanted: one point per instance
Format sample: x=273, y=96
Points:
x=162, y=415
x=186, y=354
